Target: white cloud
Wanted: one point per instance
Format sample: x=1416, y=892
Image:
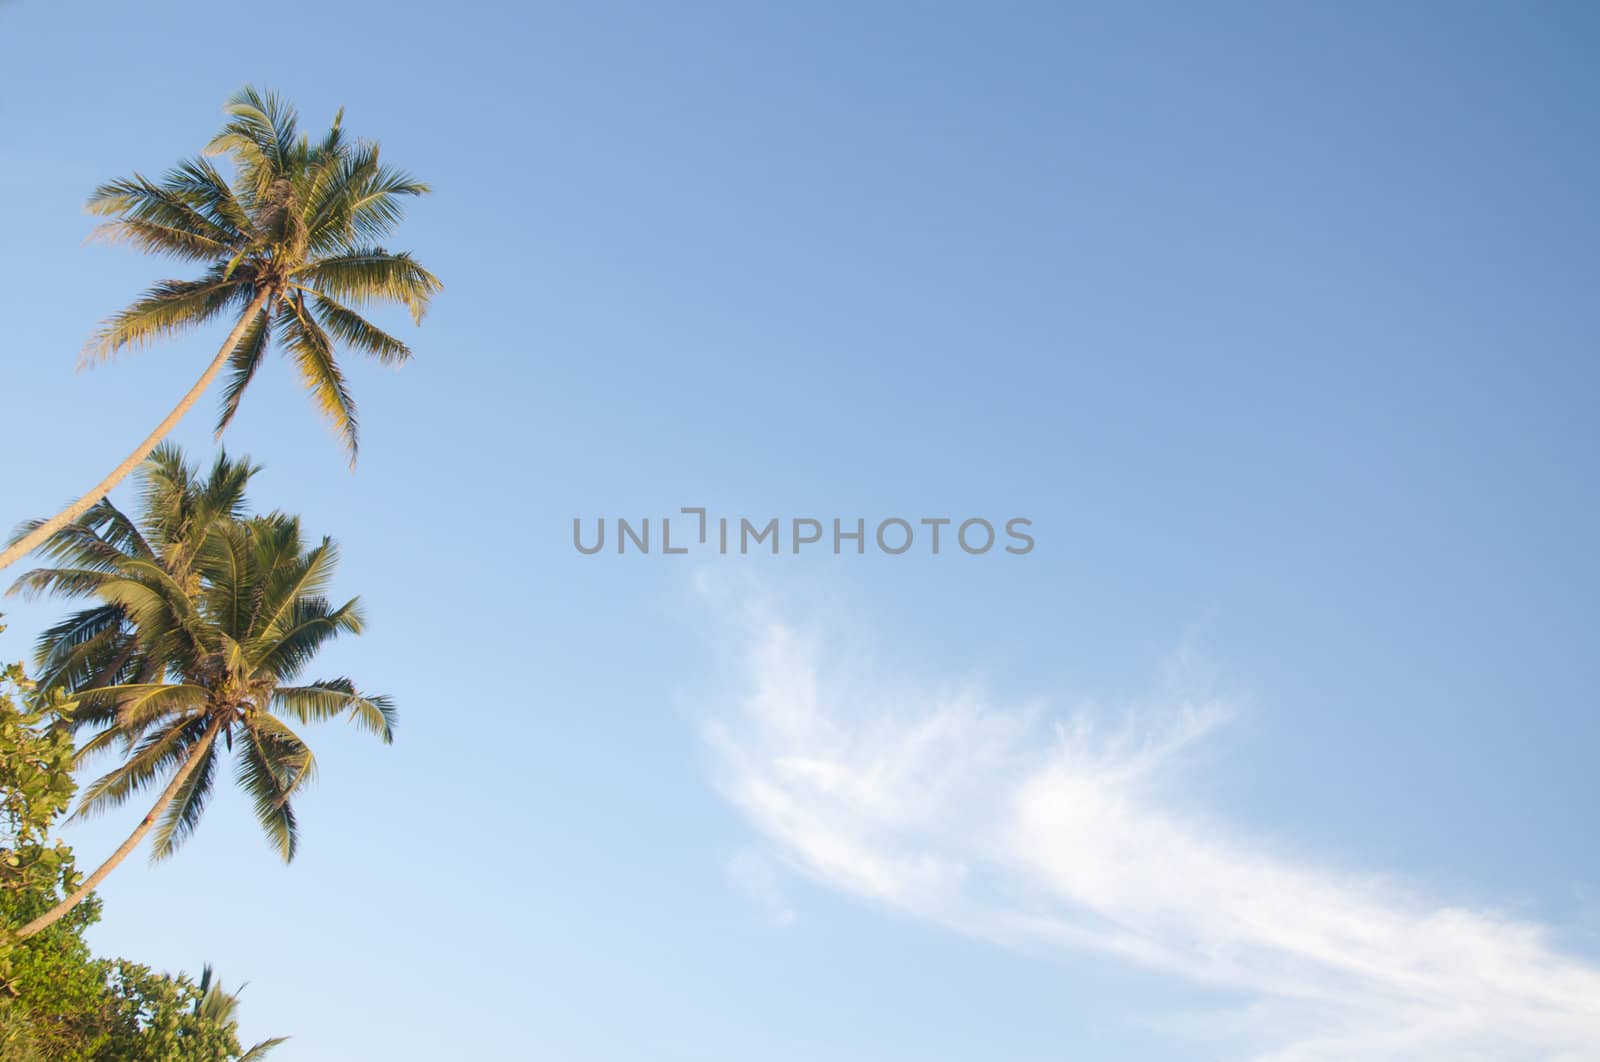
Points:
x=1068, y=835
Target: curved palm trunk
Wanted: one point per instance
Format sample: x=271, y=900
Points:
x=32, y=539
x=54, y=915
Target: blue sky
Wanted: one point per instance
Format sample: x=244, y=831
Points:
x=1277, y=322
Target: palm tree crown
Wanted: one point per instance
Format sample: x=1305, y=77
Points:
x=205, y=620
x=300, y=223
x=291, y=251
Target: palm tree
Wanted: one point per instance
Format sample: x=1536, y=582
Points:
x=205, y=620
x=290, y=245
x=217, y=1008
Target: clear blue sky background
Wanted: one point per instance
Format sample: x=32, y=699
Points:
x=1278, y=320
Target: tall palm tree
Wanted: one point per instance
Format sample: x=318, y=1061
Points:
x=204, y=622
x=290, y=245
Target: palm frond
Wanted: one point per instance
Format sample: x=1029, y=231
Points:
x=168, y=309
x=153, y=757
x=372, y=274
x=260, y=137
x=362, y=203
x=97, y=541
x=356, y=332
x=227, y=565
x=259, y=1051
x=171, y=208
x=273, y=765
x=156, y=599
x=63, y=582
x=313, y=355
x=205, y=189
x=138, y=704
x=378, y=208
x=166, y=240
x=285, y=653
x=91, y=647
x=335, y=697
x=335, y=177
x=114, y=529
x=242, y=365
x=222, y=491
x=289, y=581
x=188, y=804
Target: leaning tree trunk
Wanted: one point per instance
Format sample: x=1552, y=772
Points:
x=33, y=538
x=52, y=916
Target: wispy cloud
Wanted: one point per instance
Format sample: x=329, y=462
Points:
x=1050, y=833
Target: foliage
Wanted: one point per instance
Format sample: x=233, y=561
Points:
x=57, y=1002
x=52, y=971
x=292, y=241
x=203, y=617
x=205, y=620
x=35, y=787
x=152, y=1017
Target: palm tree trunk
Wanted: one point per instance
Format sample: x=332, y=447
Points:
x=50, y=917
x=28, y=542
